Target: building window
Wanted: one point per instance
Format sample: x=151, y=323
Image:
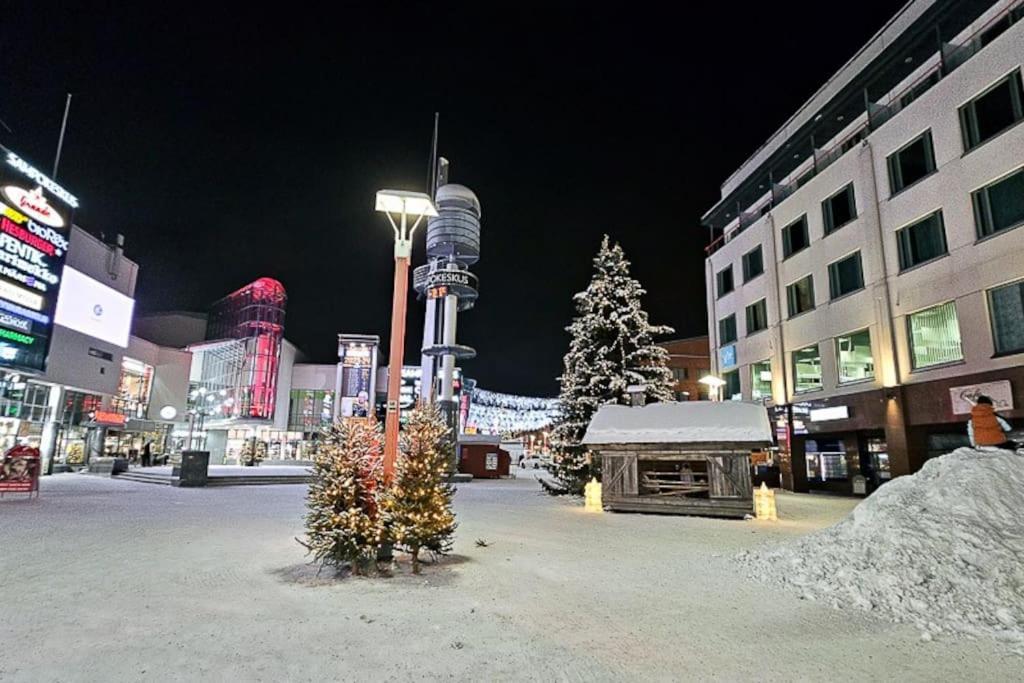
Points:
x=757, y=317
x=309, y=411
x=1006, y=308
x=761, y=380
x=724, y=281
x=807, y=369
x=753, y=264
x=854, y=355
x=922, y=241
x=133, y=388
x=800, y=296
x=731, y=391
x=845, y=276
x=999, y=206
x=795, y=237
x=935, y=336
x=727, y=330
x=992, y=112
x=839, y=209
x=680, y=374
x=912, y=162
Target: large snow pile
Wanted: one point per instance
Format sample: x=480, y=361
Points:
x=942, y=549
x=685, y=422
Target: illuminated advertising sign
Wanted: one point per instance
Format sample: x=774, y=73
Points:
x=35, y=225
x=92, y=308
x=357, y=368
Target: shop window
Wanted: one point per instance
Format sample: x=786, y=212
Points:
x=845, y=276
x=992, y=112
x=1006, y=309
x=757, y=317
x=727, y=330
x=826, y=460
x=800, y=296
x=999, y=206
x=753, y=264
x=724, y=281
x=133, y=388
x=309, y=411
x=911, y=163
x=795, y=237
x=807, y=369
x=922, y=241
x=761, y=380
x=935, y=336
x=839, y=209
x=854, y=357
x=731, y=391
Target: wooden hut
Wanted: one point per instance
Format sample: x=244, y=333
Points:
x=690, y=458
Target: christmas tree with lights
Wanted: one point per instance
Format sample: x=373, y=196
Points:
x=612, y=348
x=343, y=522
x=418, y=503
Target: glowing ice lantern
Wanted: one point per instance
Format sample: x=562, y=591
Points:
x=764, y=504
x=592, y=496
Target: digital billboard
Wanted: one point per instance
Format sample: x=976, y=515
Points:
x=90, y=307
x=35, y=225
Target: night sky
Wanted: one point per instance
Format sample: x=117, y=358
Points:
x=227, y=145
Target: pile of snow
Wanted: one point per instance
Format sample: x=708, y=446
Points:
x=685, y=422
x=942, y=549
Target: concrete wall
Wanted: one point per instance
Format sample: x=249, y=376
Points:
x=176, y=329
x=170, y=376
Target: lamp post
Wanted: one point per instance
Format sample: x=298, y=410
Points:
x=714, y=385
x=403, y=205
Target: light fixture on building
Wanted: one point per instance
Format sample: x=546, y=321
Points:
x=168, y=413
x=714, y=385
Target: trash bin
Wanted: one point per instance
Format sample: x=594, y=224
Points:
x=194, y=468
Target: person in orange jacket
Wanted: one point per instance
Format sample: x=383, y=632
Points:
x=985, y=428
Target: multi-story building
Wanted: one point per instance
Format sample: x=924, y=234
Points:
x=689, y=359
x=865, y=277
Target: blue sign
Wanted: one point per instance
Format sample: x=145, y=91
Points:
x=727, y=356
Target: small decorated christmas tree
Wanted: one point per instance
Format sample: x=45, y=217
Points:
x=418, y=504
x=343, y=524
x=612, y=348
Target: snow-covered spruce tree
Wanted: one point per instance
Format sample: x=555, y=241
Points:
x=343, y=524
x=612, y=348
x=418, y=504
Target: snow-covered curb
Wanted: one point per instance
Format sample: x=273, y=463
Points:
x=942, y=549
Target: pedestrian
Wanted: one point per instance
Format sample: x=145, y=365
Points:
x=986, y=429
x=147, y=454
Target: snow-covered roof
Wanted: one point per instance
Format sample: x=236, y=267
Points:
x=685, y=422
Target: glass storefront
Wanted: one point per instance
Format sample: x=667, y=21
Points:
x=133, y=389
x=826, y=460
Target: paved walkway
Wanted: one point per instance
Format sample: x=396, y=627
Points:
x=108, y=580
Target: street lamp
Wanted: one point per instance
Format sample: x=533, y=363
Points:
x=714, y=385
x=403, y=204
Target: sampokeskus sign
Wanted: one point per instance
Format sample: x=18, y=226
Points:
x=35, y=228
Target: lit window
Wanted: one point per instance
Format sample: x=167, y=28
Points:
x=999, y=206
x=845, y=276
x=992, y=112
x=911, y=163
x=922, y=241
x=854, y=355
x=761, y=380
x=935, y=336
x=807, y=369
x=1006, y=305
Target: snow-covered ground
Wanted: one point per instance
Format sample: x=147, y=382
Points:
x=110, y=580
x=942, y=549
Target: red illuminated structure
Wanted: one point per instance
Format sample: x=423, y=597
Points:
x=254, y=312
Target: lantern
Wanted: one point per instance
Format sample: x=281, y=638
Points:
x=592, y=496
x=764, y=504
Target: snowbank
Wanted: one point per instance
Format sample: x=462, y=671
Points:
x=942, y=549
x=685, y=422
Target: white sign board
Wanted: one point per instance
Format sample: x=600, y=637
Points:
x=833, y=413
x=491, y=461
x=92, y=308
x=963, y=398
